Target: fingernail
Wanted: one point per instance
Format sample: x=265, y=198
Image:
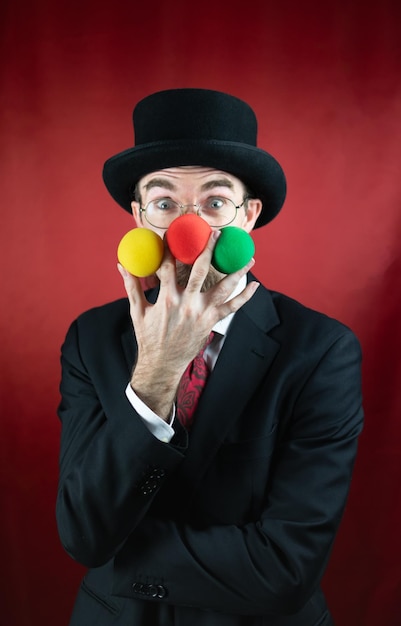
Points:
x=122, y=270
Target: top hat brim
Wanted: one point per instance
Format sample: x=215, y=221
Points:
x=257, y=169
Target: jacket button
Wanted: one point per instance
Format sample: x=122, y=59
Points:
x=152, y=591
x=157, y=591
x=161, y=591
x=151, y=482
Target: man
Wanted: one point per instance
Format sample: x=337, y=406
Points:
x=229, y=520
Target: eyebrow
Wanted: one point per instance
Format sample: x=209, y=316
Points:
x=219, y=182
x=160, y=182
x=167, y=184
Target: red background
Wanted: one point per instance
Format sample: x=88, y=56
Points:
x=325, y=81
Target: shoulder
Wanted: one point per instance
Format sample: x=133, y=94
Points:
x=98, y=326
x=111, y=314
x=115, y=312
x=301, y=325
x=290, y=309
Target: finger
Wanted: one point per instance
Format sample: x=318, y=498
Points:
x=223, y=289
x=201, y=266
x=167, y=269
x=133, y=288
x=233, y=305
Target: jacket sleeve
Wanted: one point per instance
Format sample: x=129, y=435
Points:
x=272, y=565
x=111, y=466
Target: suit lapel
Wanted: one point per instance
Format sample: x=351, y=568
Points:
x=247, y=354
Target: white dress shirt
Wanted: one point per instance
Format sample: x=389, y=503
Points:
x=164, y=431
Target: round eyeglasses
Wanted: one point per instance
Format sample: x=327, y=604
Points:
x=217, y=211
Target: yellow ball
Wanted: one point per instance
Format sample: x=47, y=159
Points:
x=140, y=251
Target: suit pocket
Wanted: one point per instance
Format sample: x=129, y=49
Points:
x=248, y=449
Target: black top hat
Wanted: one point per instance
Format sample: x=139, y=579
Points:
x=197, y=127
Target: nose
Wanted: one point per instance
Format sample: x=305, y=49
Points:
x=190, y=208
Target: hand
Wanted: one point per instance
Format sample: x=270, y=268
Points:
x=171, y=332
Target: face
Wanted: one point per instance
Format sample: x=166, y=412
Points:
x=193, y=185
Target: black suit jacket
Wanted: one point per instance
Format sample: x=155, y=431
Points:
x=232, y=524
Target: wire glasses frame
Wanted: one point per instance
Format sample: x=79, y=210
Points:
x=217, y=211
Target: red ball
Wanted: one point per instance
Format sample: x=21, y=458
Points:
x=187, y=237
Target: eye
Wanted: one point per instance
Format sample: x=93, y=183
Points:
x=215, y=203
x=165, y=204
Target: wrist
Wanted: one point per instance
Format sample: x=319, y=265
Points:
x=158, y=395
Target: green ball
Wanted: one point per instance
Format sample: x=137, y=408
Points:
x=233, y=250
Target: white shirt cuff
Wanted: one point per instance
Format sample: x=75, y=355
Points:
x=157, y=426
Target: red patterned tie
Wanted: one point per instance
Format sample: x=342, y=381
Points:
x=191, y=386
